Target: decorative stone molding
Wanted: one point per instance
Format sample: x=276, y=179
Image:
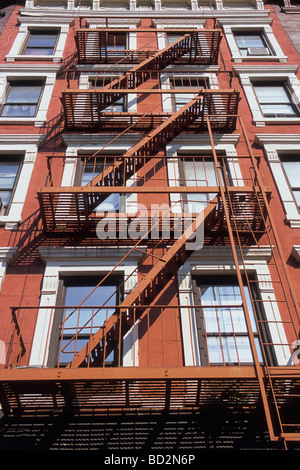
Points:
x=7, y=256
x=274, y=145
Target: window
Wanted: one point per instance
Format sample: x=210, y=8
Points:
x=41, y=42
x=275, y=99
x=9, y=174
x=116, y=41
x=252, y=43
x=197, y=171
x=221, y=323
x=75, y=325
x=89, y=168
x=181, y=99
x=291, y=166
x=22, y=99
x=118, y=106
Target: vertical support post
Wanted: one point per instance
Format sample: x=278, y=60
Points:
x=258, y=368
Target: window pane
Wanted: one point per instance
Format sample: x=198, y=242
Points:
x=8, y=172
x=249, y=40
x=5, y=197
x=42, y=40
x=292, y=170
x=88, y=317
x=24, y=94
x=278, y=109
x=19, y=111
x=112, y=201
x=271, y=94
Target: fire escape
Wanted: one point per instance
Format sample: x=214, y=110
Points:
x=236, y=215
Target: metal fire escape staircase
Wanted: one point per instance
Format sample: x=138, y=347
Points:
x=190, y=118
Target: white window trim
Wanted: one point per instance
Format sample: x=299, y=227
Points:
x=76, y=145
x=28, y=145
x=36, y=71
x=248, y=74
x=274, y=145
x=23, y=35
x=78, y=260
x=7, y=256
x=229, y=30
x=190, y=143
x=218, y=260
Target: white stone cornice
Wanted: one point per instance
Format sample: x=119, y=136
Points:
x=185, y=139
x=9, y=139
x=44, y=20
x=221, y=254
x=122, y=14
x=77, y=253
x=275, y=139
x=245, y=21
x=270, y=69
x=33, y=68
x=8, y=254
x=100, y=139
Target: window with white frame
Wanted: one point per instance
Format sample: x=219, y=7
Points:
x=291, y=166
x=273, y=93
x=86, y=302
x=78, y=170
x=43, y=41
x=216, y=333
x=221, y=323
x=83, y=267
x=88, y=168
x=248, y=42
x=276, y=99
x=22, y=98
x=172, y=102
x=283, y=156
x=25, y=95
x=10, y=168
x=190, y=163
x=17, y=158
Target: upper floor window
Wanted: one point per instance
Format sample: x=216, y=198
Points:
x=41, y=42
x=291, y=166
x=90, y=168
x=221, y=323
x=275, y=99
x=117, y=41
x=84, y=298
x=10, y=166
x=22, y=98
x=252, y=43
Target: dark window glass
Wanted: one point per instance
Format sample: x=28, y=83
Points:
x=41, y=43
x=9, y=172
x=116, y=42
x=78, y=324
x=22, y=99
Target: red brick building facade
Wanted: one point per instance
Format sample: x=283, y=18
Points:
x=149, y=239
